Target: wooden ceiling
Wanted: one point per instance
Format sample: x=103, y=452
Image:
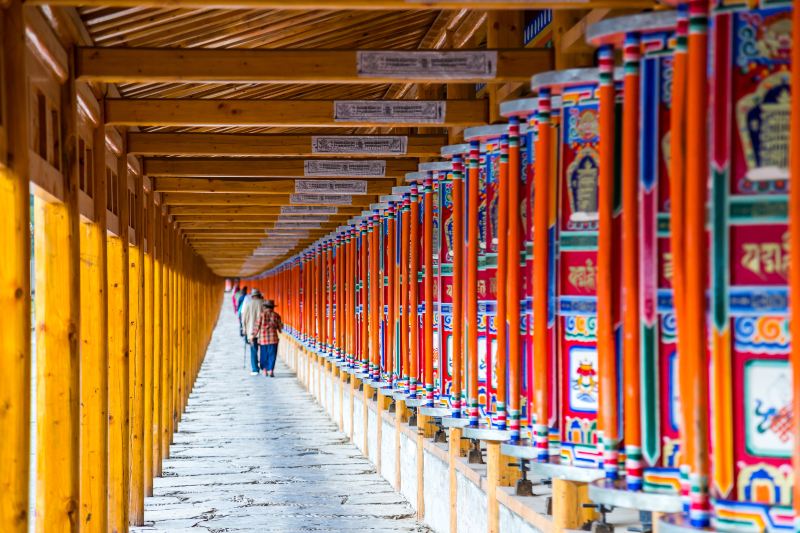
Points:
x=245, y=156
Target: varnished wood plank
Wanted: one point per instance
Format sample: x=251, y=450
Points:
x=118, y=366
x=253, y=186
x=250, y=168
x=225, y=199
x=157, y=65
x=266, y=113
x=356, y=4
x=15, y=295
x=200, y=144
x=215, y=210
x=94, y=352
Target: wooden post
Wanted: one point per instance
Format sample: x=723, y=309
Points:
x=15, y=328
x=568, y=500
x=453, y=455
x=166, y=352
x=503, y=30
x=148, y=234
x=492, y=481
x=94, y=351
x=57, y=308
x=118, y=423
x=136, y=354
x=157, y=355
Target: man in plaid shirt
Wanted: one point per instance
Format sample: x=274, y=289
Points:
x=265, y=332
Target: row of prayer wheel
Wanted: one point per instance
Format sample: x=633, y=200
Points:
x=602, y=282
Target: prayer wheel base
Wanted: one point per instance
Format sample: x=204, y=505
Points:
x=616, y=494
x=488, y=434
x=435, y=412
x=554, y=469
x=450, y=422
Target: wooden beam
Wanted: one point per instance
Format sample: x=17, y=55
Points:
x=244, y=224
x=188, y=198
x=245, y=218
x=370, y=5
x=251, y=168
x=223, y=144
x=219, y=210
x=254, y=186
x=164, y=65
x=270, y=113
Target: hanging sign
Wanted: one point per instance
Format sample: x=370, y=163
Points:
x=310, y=218
x=321, y=199
x=331, y=186
x=395, y=111
x=359, y=144
x=308, y=210
x=340, y=167
x=283, y=235
x=480, y=64
x=284, y=224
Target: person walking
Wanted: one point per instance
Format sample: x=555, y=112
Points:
x=235, y=296
x=265, y=332
x=243, y=296
x=250, y=312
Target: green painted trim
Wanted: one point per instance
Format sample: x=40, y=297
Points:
x=651, y=430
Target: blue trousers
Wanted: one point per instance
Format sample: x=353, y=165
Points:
x=254, y=356
x=269, y=352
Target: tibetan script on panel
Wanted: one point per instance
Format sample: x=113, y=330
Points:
x=477, y=64
x=331, y=186
x=359, y=144
x=343, y=167
x=308, y=210
x=321, y=199
x=396, y=111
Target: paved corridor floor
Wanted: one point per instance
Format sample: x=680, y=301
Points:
x=258, y=454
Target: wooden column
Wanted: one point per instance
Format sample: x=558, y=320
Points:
x=136, y=355
x=503, y=30
x=148, y=313
x=57, y=310
x=166, y=358
x=158, y=354
x=15, y=328
x=94, y=351
x=118, y=422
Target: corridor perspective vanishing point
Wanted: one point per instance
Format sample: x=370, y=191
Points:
x=526, y=265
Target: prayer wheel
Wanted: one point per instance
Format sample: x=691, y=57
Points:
x=751, y=474
x=492, y=224
x=521, y=114
x=451, y=279
x=571, y=255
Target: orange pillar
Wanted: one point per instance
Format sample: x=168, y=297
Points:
x=428, y=318
x=541, y=349
x=794, y=249
x=504, y=288
x=630, y=264
x=456, y=391
x=512, y=286
x=413, y=296
x=606, y=345
x=696, y=243
x=472, y=284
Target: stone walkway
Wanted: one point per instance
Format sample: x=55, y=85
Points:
x=258, y=454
